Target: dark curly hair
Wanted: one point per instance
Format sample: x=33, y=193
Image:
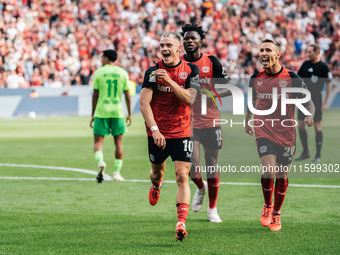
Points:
x=193, y=27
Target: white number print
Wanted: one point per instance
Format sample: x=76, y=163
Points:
x=289, y=151
x=188, y=146
x=218, y=133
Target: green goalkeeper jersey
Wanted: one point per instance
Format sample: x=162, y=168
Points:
x=110, y=81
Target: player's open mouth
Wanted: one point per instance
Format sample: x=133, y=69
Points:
x=265, y=60
x=166, y=55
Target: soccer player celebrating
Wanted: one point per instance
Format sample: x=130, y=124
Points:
x=314, y=73
x=275, y=142
x=164, y=103
x=204, y=130
x=109, y=82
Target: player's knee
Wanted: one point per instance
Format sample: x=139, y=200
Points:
x=317, y=126
x=181, y=176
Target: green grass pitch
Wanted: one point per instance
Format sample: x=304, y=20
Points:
x=83, y=217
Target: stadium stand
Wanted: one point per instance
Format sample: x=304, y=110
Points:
x=58, y=43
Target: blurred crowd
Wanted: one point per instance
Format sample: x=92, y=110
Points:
x=59, y=43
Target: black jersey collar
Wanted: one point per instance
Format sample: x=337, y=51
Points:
x=180, y=62
x=185, y=57
x=274, y=73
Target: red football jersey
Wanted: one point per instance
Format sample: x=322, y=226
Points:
x=271, y=126
x=171, y=115
x=209, y=67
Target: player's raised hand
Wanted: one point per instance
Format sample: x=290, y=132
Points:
x=159, y=139
x=309, y=121
x=162, y=74
x=249, y=130
x=128, y=120
x=91, y=121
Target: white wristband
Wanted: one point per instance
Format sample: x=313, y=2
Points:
x=154, y=128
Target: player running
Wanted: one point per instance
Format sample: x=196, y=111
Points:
x=164, y=103
x=314, y=73
x=204, y=131
x=108, y=117
x=275, y=143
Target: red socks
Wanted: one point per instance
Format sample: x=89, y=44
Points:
x=213, y=187
x=280, y=193
x=267, y=190
x=197, y=179
x=158, y=185
x=182, y=212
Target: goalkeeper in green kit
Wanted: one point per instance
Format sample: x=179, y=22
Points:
x=109, y=82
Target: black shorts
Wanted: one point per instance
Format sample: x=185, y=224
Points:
x=211, y=138
x=284, y=155
x=317, y=101
x=180, y=149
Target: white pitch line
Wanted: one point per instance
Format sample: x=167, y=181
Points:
x=108, y=178
x=172, y=182
x=86, y=171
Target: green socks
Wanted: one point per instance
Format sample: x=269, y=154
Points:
x=117, y=165
x=98, y=155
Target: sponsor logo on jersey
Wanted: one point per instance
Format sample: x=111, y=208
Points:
x=183, y=75
x=269, y=95
x=259, y=83
x=165, y=88
x=205, y=69
x=310, y=70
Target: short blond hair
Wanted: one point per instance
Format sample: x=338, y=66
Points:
x=277, y=44
x=174, y=35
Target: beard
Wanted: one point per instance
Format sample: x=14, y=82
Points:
x=192, y=50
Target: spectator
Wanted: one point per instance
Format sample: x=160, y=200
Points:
x=53, y=36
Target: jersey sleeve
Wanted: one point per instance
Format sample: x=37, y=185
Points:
x=301, y=70
x=252, y=81
x=150, y=80
x=297, y=82
x=193, y=79
x=328, y=73
x=218, y=70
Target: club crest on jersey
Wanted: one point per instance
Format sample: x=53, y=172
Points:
x=283, y=84
x=183, y=75
x=205, y=69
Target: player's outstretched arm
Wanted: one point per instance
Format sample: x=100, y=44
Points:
x=128, y=106
x=182, y=94
x=95, y=96
x=145, y=100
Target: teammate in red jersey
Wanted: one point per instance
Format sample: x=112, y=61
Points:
x=275, y=142
x=204, y=130
x=165, y=105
